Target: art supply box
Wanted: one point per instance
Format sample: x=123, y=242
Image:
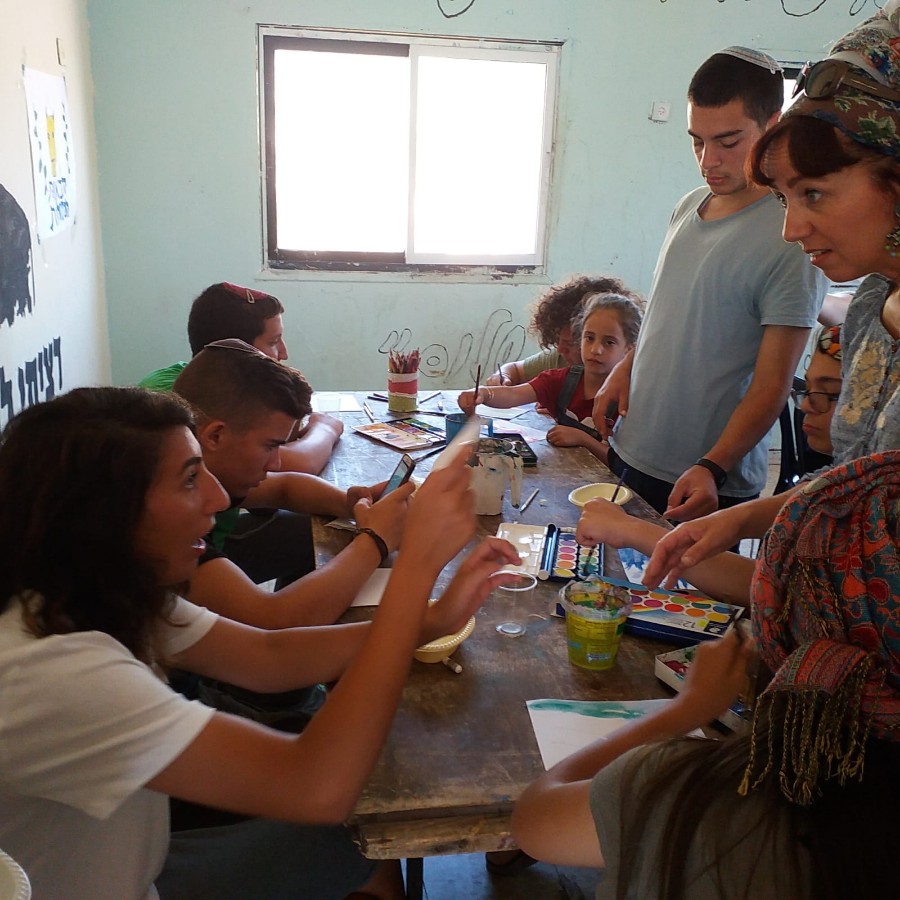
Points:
x=551, y=551
x=672, y=668
x=404, y=434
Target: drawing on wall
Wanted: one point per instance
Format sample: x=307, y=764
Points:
x=460, y=7
x=52, y=151
x=16, y=287
x=37, y=379
x=498, y=342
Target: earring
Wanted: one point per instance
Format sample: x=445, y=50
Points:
x=892, y=241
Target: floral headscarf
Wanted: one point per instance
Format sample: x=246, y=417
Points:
x=826, y=613
x=874, y=48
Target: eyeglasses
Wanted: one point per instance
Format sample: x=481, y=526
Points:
x=819, y=401
x=821, y=80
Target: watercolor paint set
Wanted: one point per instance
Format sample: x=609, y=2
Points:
x=521, y=446
x=680, y=618
x=551, y=551
x=565, y=559
x=404, y=434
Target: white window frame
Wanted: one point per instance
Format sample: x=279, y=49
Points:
x=546, y=53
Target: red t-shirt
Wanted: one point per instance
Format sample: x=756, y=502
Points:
x=548, y=386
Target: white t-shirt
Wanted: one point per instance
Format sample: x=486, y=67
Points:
x=83, y=726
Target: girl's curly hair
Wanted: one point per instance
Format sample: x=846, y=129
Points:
x=558, y=307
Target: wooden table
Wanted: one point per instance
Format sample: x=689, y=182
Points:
x=462, y=748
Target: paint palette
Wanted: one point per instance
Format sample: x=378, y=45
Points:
x=564, y=558
x=671, y=616
x=551, y=551
x=676, y=617
x=521, y=446
x=401, y=434
x=529, y=541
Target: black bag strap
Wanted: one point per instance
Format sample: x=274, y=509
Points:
x=573, y=376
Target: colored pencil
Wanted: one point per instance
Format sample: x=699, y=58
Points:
x=531, y=497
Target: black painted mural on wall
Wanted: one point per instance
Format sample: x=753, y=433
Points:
x=16, y=294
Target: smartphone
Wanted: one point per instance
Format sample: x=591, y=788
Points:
x=400, y=475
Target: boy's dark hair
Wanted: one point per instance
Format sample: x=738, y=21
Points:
x=228, y=310
x=723, y=78
x=234, y=382
x=558, y=307
x=74, y=475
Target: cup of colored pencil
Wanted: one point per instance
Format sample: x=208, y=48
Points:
x=403, y=381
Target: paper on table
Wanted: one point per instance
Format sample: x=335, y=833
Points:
x=491, y=413
x=529, y=434
x=332, y=401
x=635, y=565
x=564, y=726
x=370, y=593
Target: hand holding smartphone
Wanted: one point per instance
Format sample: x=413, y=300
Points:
x=400, y=475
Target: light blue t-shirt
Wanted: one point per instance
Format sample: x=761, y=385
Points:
x=716, y=285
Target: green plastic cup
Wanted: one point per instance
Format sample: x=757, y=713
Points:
x=595, y=621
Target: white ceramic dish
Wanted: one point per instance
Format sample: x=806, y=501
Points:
x=587, y=492
x=14, y=884
x=440, y=648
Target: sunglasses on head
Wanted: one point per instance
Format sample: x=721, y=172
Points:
x=821, y=80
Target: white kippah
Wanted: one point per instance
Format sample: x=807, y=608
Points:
x=757, y=57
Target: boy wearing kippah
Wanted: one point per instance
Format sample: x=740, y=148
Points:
x=728, y=314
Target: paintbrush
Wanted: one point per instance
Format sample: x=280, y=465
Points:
x=619, y=484
x=477, y=385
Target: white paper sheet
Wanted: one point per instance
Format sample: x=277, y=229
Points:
x=370, y=593
x=491, y=413
x=333, y=401
x=564, y=726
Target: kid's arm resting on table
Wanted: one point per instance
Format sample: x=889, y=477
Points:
x=510, y=373
x=552, y=819
x=312, y=448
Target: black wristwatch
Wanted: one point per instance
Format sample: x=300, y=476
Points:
x=718, y=473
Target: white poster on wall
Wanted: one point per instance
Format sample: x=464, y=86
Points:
x=52, y=151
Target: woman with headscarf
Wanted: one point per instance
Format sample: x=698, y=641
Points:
x=833, y=160
x=800, y=806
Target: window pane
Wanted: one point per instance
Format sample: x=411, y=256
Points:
x=341, y=151
x=479, y=137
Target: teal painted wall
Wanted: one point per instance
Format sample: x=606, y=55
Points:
x=178, y=145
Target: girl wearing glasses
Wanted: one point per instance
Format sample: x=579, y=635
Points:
x=823, y=388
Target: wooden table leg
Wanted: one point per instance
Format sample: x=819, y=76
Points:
x=415, y=868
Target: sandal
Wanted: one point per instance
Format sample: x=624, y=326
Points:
x=519, y=863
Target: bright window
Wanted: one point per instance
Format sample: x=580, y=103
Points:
x=391, y=153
